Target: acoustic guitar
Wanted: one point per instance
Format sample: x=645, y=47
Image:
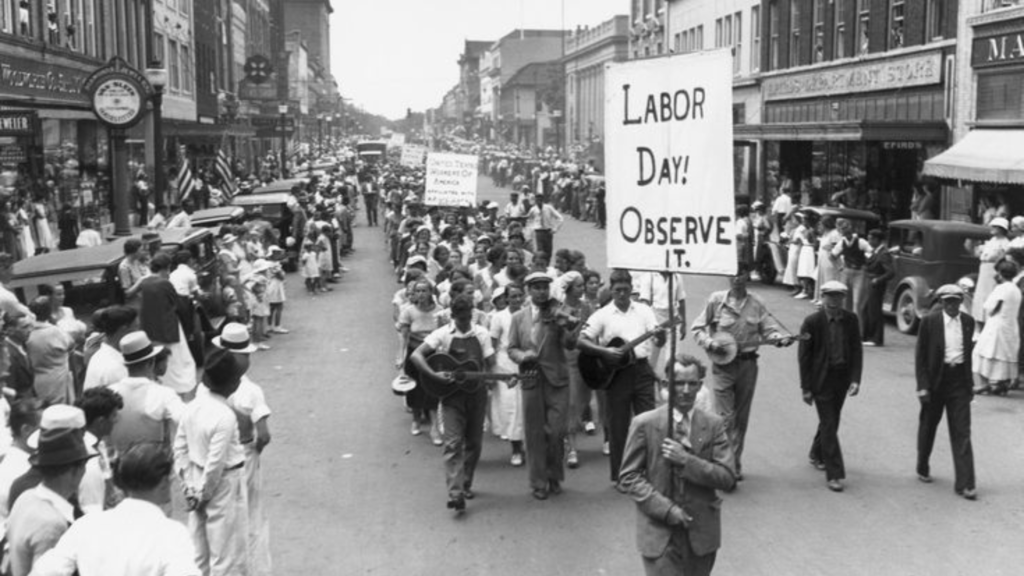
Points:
x=466, y=376
x=598, y=372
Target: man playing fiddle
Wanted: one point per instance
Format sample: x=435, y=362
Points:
x=538, y=339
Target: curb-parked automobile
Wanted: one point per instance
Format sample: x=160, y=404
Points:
x=926, y=255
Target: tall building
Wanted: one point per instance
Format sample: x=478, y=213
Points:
x=650, y=24
x=855, y=95
x=587, y=50
x=526, y=99
x=984, y=165
x=311, y=19
x=469, y=83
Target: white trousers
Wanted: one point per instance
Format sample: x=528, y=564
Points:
x=220, y=529
x=259, y=524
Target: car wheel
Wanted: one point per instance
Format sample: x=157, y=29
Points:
x=907, y=320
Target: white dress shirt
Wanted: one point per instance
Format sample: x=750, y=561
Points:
x=133, y=539
x=610, y=322
x=654, y=289
x=184, y=280
x=207, y=443
x=954, y=338
x=15, y=463
x=106, y=367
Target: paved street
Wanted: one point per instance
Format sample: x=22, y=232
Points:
x=351, y=492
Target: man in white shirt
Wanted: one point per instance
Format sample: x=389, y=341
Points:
x=631, y=391
x=545, y=222
x=514, y=208
x=208, y=456
x=23, y=420
x=133, y=539
x=654, y=292
x=183, y=217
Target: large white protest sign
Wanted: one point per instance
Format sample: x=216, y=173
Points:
x=451, y=180
x=413, y=155
x=669, y=164
x=397, y=140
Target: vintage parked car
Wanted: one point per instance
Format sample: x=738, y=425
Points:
x=281, y=186
x=217, y=217
x=274, y=209
x=926, y=255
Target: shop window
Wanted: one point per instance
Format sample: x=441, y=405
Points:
x=897, y=20
x=755, y=39
x=819, y=30
x=863, y=26
x=934, y=20
x=794, y=33
x=839, y=35
x=773, y=35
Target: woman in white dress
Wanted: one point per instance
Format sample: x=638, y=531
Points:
x=28, y=245
x=828, y=265
x=990, y=252
x=510, y=400
x=41, y=223
x=806, y=268
x=995, y=353
x=789, y=277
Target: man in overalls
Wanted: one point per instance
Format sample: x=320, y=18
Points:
x=462, y=411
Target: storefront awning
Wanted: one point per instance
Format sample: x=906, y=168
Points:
x=857, y=130
x=982, y=156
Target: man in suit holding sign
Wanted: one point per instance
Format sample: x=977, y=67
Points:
x=733, y=324
x=673, y=475
x=462, y=411
x=631, y=390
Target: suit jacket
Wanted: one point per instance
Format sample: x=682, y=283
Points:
x=929, y=358
x=552, y=362
x=158, y=313
x=813, y=351
x=645, y=475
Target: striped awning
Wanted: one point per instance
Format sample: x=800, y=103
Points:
x=995, y=156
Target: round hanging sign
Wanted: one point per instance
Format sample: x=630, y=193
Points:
x=119, y=101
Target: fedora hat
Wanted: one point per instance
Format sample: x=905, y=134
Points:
x=61, y=447
x=235, y=337
x=56, y=417
x=136, y=347
x=223, y=370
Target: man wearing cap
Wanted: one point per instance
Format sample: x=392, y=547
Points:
x=831, y=360
x=150, y=410
x=744, y=316
x=135, y=537
x=41, y=515
x=209, y=458
x=943, y=367
x=538, y=339
x=514, y=208
x=462, y=411
x=852, y=251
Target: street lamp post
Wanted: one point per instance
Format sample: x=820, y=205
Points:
x=282, y=109
x=320, y=131
x=157, y=76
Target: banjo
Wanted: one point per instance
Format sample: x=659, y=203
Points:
x=728, y=348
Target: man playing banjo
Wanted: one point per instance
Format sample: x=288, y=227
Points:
x=733, y=324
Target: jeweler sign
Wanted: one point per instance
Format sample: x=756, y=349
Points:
x=669, y=175
x=451, y=180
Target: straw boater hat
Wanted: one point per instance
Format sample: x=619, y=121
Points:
x=235, y=338
x=136, y=347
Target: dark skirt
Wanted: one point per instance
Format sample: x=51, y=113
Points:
x=418, y=399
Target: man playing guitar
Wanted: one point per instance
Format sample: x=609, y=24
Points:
x=462, y=411
x=631, y=390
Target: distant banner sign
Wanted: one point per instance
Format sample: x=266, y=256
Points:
x=413, y=155
x=670, y=197
x=397, y=140
x=451, y=180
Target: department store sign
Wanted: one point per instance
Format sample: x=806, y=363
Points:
x=42, y=79
x=1002, y=50
x=888, y=74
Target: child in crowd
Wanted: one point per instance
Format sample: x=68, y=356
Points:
x=310, y=267
x=234, y=309
x=259, y=310
x=275, y=291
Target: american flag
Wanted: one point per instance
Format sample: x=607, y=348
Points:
x=186, y=183
x=223, y=169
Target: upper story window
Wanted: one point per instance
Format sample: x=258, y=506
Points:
x=839, y=34
x=988, y=5
x=818, y=55
x=737, y=43
x=794, y=33
x=773, y=35
x=755, y=39
x=934, y=20
x=897, y=22
x=863, y=27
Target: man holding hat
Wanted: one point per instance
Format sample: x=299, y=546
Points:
x=538, y=340
x=831, y=360
x=209, y=458
x=150, y=410
x=943, y=367
x=42, y=515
